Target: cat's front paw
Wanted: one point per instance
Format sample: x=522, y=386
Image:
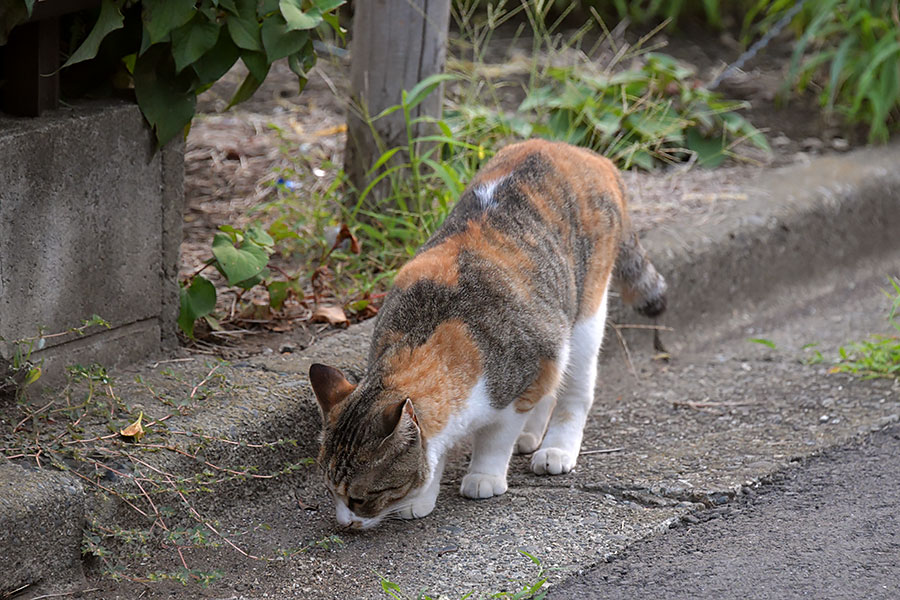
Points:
x=527, y=443
x=552, y=461
x=417, y=509
x=482, y=485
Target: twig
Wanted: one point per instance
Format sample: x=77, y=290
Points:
x=218, y=439
x=641, y=326
x=703, y=404
x=205, y=379
x=60, y=594
x=32, y=415
x=627, y=352
x=171, y=360
x=602, y=451
x=199, y=518
x=207, y=463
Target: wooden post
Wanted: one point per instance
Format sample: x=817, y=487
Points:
x=396, y=44
x=31, y=62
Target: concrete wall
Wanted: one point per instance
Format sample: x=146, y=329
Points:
x=90, y=223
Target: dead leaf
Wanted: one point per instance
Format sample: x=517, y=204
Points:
x=331, y=130
x=257, y=310
x=135, y=430
x=329, y=313
x=346, y=234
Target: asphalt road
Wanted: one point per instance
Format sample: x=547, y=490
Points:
x=828, y=529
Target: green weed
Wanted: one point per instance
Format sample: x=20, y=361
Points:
x=878, y=356
x=849, y=50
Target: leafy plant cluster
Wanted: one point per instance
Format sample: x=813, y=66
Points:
x=651, y=112
x=173, y=50
x=849, y=50
x=642, y=117
x=347, y=254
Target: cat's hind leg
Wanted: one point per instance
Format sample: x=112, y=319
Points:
x=562, y=442
x=535, y=426
x=492, y=447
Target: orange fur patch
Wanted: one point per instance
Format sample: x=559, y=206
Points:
x=438, y=375
x=546, y=383
x=437, y=264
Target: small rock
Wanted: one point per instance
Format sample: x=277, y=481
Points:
x=781, y=141
x=287, y=347
x=840, y=144
x=812, y=144
x=824, y=418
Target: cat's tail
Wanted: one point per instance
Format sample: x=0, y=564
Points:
x=641, y=286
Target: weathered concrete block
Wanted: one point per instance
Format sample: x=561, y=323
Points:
x=89, y=224
x=41, y=522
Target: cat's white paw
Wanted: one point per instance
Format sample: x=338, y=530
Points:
x=527, y=443
x=419, y=508
x=552, y=461
x=482, y=485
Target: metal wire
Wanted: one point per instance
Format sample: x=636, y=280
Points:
x=758, y=45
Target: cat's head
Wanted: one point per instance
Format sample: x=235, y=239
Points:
x=372, y=453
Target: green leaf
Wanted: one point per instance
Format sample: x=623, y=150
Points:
x=258, y=236
x=763, y=341
x=421, y=90
x=166, y=99
x=215, y=63
x=256, y=63
x=278, y=291
x=710, y=151
x=266, y=7
x=238, y=264
x=280, y=41
x=193, y=40
x=160, y=17
x=197, y=301
x=324, y=6
x=109, y=20
x=248, y=86
x=296, y=18
x=244, y=31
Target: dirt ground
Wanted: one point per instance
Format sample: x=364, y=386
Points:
x=232, y=158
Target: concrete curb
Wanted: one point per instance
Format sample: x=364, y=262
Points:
x=804, y=223
x=41, y=515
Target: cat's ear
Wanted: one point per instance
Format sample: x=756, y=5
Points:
x=330, y=386
x=400, y=421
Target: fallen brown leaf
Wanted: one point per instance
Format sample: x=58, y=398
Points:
x=346, y=234
x=135, y=430
x=329, y=313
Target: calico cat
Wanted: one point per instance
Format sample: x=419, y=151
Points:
x=491, y=331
